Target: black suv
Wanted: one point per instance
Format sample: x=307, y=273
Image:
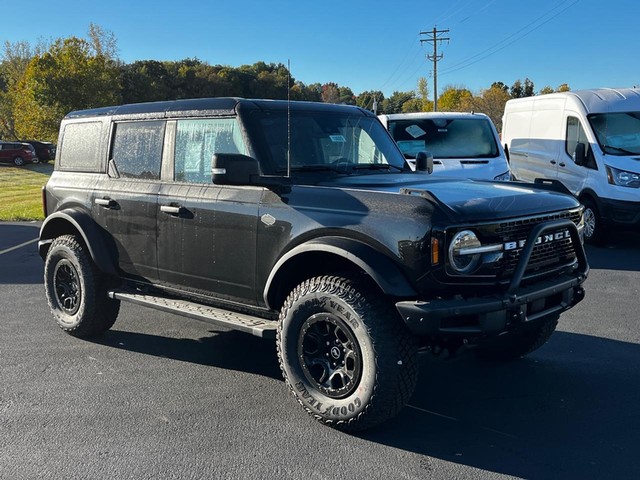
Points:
x=302, y=221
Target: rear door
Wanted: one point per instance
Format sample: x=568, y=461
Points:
x=206, y=232
x=125, y=202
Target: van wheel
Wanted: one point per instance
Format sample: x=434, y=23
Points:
x=76, y=290
x=593, y=229
x=512, y=346
x=18, y=161
x=344, y=352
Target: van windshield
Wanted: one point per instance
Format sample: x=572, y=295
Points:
x=445, y=137
x=617, y=133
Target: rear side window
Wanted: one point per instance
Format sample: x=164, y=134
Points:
x=137, y=149
x=196, y=143
x=80, y=147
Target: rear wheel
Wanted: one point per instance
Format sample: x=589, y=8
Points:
x=18, y=161
x=344, y=352
x=76, y=290
x=511, y=346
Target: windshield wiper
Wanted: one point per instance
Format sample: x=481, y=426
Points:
x=312, y=168
x=375, y=166
x=621, y=150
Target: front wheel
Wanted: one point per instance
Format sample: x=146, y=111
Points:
x=345, y=353
x=593, y=228
x=18, y=161
x=76, y=290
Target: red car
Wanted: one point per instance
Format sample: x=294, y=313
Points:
x=17, y=153
x=44, y=150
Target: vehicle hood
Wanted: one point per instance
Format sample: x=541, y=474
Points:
x=630, y=163
x=465, y=200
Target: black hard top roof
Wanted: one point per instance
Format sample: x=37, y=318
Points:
x=209, y=106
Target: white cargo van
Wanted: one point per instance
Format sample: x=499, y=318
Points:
x=589, y=140
x=463, y=145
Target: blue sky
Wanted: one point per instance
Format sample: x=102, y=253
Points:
x=367, y=45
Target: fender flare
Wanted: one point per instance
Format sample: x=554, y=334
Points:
x=382, y=269
x=102, y=253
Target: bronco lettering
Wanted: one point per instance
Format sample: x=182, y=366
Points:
x=546, y=238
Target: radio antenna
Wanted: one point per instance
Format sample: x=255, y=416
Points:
x=288, y=117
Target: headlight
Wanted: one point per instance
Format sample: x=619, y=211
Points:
x=623, y=178
x=503, y=177
x=461, y=251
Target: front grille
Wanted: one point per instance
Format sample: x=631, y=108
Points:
x=546, y=256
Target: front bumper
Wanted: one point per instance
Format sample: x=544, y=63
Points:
x=502, y=312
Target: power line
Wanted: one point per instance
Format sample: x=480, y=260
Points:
x=435, y=38
x=523, y=32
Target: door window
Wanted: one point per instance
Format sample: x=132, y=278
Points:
x=575, y=135
x=196, y=143
x=137, y=149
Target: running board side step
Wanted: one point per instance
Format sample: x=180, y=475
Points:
x=237, y=321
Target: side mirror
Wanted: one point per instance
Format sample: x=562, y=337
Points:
x=579, y=155
x=234, y=169
x=424, y=162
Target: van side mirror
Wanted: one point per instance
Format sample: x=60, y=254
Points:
x=424, y=162
x=579, y=155
x=234, y=169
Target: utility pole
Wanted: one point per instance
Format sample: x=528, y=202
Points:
x=435, y=37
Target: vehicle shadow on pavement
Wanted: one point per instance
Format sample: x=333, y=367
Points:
x=569, y=410
x=223, y=349
x=619, y=253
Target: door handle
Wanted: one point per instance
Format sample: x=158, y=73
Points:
x=562, y=164
x=171, y=209
x=552, y=162
x=106, y=203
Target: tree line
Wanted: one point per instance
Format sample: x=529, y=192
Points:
x=42, y=83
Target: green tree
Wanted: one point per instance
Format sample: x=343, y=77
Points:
x=421, y=102
x=396, y=101
x=69, y=76
x=454, y=99
x=500, y=85
x=563, y=88
x=367, y=99
x=490, y=102
x=346, y=96
x=528, y=90
x=546, y=90
x=516, y=90
x=15, y=60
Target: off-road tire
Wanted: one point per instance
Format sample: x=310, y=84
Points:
x=512, y=346
x=365, y=332
x=76, y=290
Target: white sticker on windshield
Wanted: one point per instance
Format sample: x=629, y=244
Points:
x=415, y=131
x=337, y=138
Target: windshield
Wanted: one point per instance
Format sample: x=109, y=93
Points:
x=329, y=142
x=617, y=133
x=445, y=137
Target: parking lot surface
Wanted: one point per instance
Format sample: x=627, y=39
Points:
x=161, y=396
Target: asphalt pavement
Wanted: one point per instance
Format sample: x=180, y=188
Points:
x=165, y=397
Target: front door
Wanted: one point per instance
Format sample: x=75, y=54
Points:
x=207, y=232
